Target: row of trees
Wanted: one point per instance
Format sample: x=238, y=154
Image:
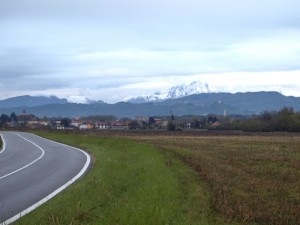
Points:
x=4, y=119
x=284, y=120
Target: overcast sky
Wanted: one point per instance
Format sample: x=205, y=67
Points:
x=112, y=49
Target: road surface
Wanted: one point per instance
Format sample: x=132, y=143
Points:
x=33, y=170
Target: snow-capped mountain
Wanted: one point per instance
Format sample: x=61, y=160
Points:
x=178, y=91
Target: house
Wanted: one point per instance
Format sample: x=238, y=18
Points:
x=89, y=126
x=57, y=123
x=33, y=124
x=24, y=119
x=60, y=127
x=188, y=125
x=44, y=123
x=216, y=124
x=102, y=125
x=11, y=124
x=83, y=127
x=119, y=125
x=142, y=119
x=76, y=123
x=160, y=123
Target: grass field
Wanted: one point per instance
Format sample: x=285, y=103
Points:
x=153, y=179
x=252, y=179
x=130, y=183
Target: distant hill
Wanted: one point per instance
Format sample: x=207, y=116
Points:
x=198, y=104
x=248, y=102
x=30, y=101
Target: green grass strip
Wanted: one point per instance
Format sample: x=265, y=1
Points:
x=130, y=183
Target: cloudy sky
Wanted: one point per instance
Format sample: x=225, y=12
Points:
x=112, y=49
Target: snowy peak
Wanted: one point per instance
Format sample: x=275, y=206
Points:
x=178, y=91
x=195, y=87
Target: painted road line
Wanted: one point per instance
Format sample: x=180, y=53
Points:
x=54, y=193
x=3, y=144
x=29, y=164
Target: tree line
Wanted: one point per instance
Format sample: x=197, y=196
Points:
x=4, y=119
x=284, y=120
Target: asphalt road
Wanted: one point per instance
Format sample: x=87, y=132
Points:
x=33, y=170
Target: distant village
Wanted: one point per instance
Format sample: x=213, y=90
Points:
x=110, y=122
x=285, y=119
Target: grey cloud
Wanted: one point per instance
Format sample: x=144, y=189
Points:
x=24, y=68
x=28, y=68
x=150, y=15
x=42, y=42
x=21, y=62
x=167, y=24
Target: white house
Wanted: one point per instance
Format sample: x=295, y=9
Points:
x=83, y=127
x=102, y=125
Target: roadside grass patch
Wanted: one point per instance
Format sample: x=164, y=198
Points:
x=253, y=179
x=130, y=183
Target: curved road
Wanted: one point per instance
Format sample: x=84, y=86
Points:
x=33, y=170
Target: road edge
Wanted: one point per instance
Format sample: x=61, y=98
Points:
x=57, y=191
x=3, y=144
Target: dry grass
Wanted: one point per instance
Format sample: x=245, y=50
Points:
x=253, y=179
x=249, y=180
x=131, y=183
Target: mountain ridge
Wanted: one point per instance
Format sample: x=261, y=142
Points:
x=247, y=103
x=31, y=101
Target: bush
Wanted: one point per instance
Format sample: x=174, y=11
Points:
x=171, y=126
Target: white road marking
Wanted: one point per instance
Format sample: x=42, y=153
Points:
x=29, y=164
x=57, y=191
x=3, y=144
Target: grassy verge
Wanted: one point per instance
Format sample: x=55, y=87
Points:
x=252, y=179
x=130, y=183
